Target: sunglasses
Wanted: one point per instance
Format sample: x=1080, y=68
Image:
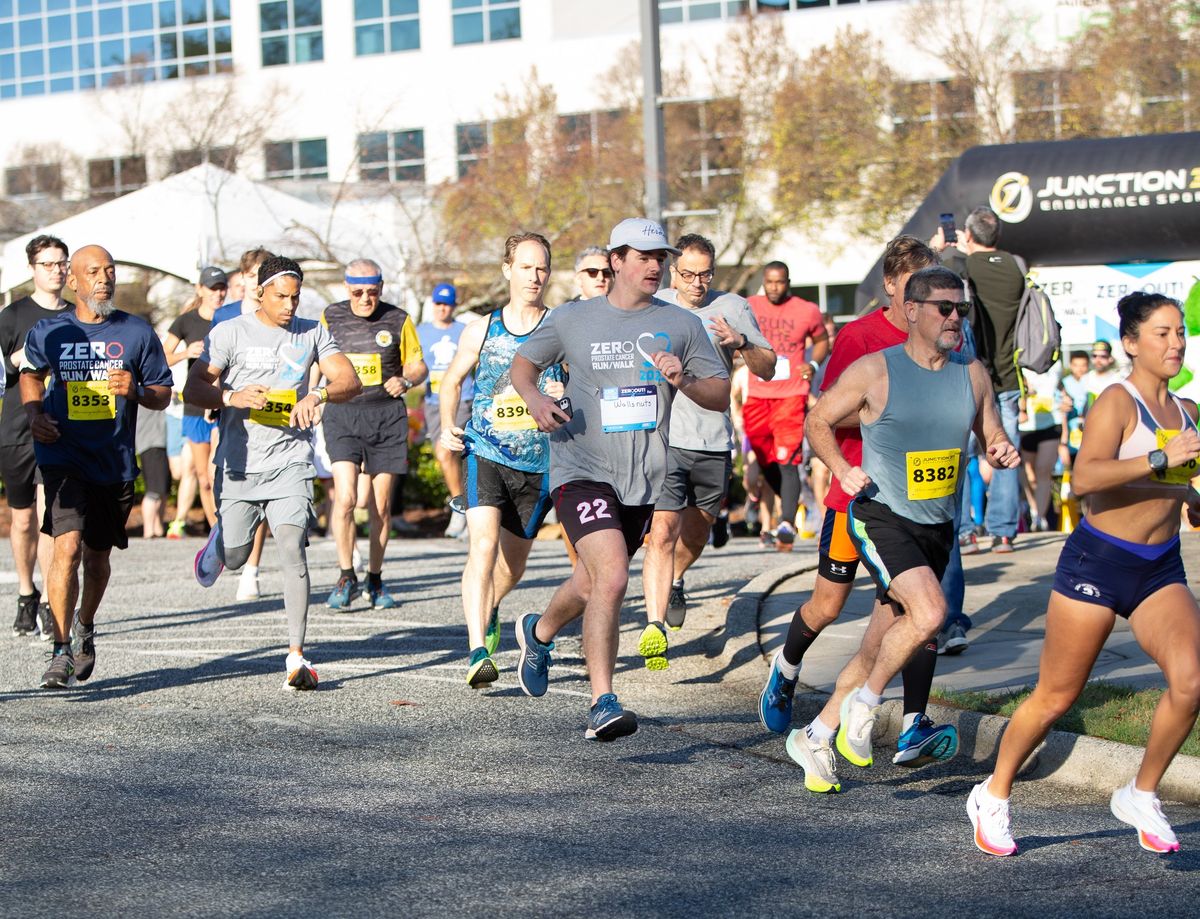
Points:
x=594, y=273
x=365, y=292
x=946, y=307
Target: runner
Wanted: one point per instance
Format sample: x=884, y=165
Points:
x=370, y=432
x=628, y=354
x=255, y=369
x=505, y=457
x=902, y=518
x=698, y=457
x=921, y=741
x=439, y=342
x=18, y=466
x=83, y=375
x=1138, y=456
x=775, y=409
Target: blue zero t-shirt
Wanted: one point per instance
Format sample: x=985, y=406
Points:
x=96, y=442
x=439, y=347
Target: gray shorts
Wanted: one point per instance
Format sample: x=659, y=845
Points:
x=244, y=500
x=695, y=478
x=433, y=419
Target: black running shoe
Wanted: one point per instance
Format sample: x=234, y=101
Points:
x=60, y=673
x=45, y=622
x=676, y=607
x=720, y=531
x=26, y=621
x=85, y=657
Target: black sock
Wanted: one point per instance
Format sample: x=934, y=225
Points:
x=349, y=573
x=799, y=638
x=375, y=579
x=918, y=678
x=62, y=647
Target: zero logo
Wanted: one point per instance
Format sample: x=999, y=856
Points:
x=1011, y=197
x=591, y=511
x=114, y=350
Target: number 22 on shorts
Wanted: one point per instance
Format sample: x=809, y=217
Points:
x=591, y=511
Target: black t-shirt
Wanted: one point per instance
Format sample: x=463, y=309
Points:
x=16, y=320
x=378, y=345
x=998, y=286
x=189, y=327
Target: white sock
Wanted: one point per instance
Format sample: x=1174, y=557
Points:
x=985, y=792
x=789, y=671
x=1138, y=795
x=250, y=571
x=818, y=732
x=910, y=718
x=869, y=698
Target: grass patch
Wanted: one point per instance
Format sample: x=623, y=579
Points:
x=1108, y=710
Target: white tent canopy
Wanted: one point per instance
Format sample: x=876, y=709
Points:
x=206, y=216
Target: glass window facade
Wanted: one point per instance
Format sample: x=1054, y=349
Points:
x=476, y=21
x=33, y=179
x=296, y=159
x=384, y=26
x=54, y=46
x=112, y=177
x=471, y=143
x=398, y=156
x=291, y=31
x=698, y=10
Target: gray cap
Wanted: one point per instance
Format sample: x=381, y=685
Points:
x=212, y=278
x=641, y=234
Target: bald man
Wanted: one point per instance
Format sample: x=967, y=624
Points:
x=102, y=364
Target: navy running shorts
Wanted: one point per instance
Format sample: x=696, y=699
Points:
x=522, y=497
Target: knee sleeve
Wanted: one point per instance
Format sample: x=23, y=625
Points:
x=294, y=565
x=237, y=556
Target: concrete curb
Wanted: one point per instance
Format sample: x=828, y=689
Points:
x=1069, y=759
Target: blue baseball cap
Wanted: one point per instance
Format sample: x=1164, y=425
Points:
x=445, y=293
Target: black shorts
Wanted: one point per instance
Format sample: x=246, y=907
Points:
x=374, y=437
x=156, y=472
x=890, y=544
x=18, y=469
x=836, y=552
x=99, y=511
x=695, y=478
x=1031, y=440
x=523, y=497
x=586, y=507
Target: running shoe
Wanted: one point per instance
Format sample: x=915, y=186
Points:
x=676, y=607
x=45, y=622
x=775, y=700
x=785, y=536
x=456, y=527
x=925, y=742
x=247, y=585
x=989, y=817
x=177, y=529
x=300, y=673
x=27, y=607
x=720, y=530
x=491, y=638
x=533, y=671
x=766, y=539
x=1145, y=816
x=652, y=646
x=1002, y=544
x=380, y=597
x=953, y=640
x=854, y=733
x=457, y=504
x=85, y=659
x=817, y=761
x=482, y=669
x=608, y=721
x=968, y=544
x=345, y=592
x=208, y=566
x=61, y=672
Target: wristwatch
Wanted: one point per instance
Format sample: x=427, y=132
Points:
x=1158, y=461
x=744, y=344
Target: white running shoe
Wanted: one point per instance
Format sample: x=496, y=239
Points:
x=817, y=761
x=989, y=817
x=300, y=673
x=208, y=565
x=248, y=585
x=1145, y=816
x=854, y=733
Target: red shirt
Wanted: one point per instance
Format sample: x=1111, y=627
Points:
x=788, y=327
x=865, y=335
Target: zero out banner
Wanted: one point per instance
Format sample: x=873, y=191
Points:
x=1116, y=201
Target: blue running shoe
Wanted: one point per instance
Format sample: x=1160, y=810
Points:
x=608, y=721
x=775, y=701
x=208, y=565
x=345, y=592
x=533, y=672
x=381, y=598
x=926, y=742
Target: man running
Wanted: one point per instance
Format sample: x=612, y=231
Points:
x=628, y=354
x=506, y=458
x=775, y=409
x=439, y=343
x=370, y=432
x=255, y=369
x=698, y=458
x=18, y=465
x=100, y=364
x=916, y=408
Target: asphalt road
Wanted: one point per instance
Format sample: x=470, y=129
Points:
x=182, y=780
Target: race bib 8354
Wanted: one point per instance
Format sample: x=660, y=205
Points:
x=278, y=409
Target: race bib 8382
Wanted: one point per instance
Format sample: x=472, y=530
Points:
x=931, y=473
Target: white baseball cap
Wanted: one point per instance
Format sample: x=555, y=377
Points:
x=641, y=234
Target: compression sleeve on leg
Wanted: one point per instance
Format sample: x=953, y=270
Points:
x=294, y=564
x=789, y=495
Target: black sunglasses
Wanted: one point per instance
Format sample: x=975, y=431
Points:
x=597, y=272
x=946, y=307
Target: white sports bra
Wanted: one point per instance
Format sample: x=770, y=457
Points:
x=1150, y=435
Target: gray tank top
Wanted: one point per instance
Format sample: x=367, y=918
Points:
x=914, y=451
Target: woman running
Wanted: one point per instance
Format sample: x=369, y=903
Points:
x=1136, y=461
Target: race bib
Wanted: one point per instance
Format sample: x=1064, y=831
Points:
x=90, y=400
x=932, y=473
x=1041, y=405
x=435, y=381
x=1075, y=436
x=278, y=409
x=369, y=368
x=1175, y=475
x=510, y=413
x=629, y=408
x=783, y=369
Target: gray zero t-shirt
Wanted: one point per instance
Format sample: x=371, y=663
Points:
x=246, y=351
x=621, y=403
x=693, y=427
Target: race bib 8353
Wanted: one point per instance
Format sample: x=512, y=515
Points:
x=90, y=400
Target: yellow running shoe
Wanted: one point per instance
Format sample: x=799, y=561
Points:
x=653, y=646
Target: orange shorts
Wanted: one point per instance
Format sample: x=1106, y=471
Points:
x=838, y=556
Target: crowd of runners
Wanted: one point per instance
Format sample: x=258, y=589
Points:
x=620, y=413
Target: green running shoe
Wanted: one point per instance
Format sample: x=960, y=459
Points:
x=482, y=669
x=491, y=640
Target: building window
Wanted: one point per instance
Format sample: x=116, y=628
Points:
x=937, y=114
x=182, y=160
x=588, y=132
x=478, y=21
x=33, y=179
x=297, y=159
x=54, y=46
x=471, y=141
x=705, y=140
x=398, y=156
x=670, y=11
x=383, y=26
x=1041, y=105
x=291, y=31
x=116, y=176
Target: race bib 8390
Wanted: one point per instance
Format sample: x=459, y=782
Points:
x=1175, y=475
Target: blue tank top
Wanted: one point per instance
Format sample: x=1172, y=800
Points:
x=501, y=428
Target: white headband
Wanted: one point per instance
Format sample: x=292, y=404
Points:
x=280, y=274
